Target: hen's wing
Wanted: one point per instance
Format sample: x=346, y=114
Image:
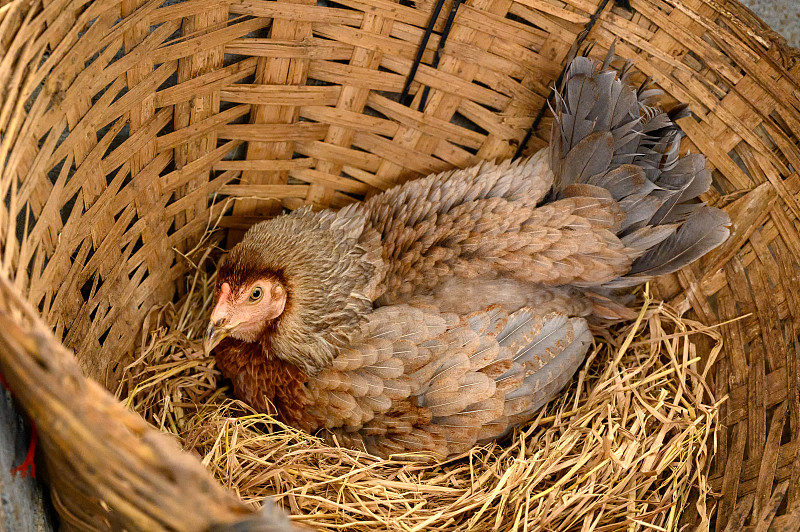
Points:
x=422, y=380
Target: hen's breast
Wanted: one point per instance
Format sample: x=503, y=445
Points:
x=260, y=379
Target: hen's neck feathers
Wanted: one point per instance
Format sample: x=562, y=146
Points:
x=321, y=263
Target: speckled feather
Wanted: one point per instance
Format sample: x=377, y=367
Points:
x=446, y=311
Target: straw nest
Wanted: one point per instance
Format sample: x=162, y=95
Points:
x=626, y=444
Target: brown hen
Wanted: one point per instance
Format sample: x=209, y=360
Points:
x=444, y=312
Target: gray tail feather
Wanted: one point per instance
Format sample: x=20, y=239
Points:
x=608, y=138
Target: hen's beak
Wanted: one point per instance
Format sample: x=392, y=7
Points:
x=214, y=335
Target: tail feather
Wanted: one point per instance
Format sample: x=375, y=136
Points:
x=622, y=179
x=589, y=157
x=648, y=237
x=702, y=232
x=608, y=134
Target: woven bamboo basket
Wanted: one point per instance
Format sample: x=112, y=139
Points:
x=125, y=124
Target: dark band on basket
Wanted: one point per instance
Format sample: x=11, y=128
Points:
x=404, y=95
x=448, y=25
x=406, y=98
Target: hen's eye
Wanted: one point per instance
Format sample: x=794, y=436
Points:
x=256, y=294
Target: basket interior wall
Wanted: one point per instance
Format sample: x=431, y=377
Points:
x=127, y=126
x=141, y=118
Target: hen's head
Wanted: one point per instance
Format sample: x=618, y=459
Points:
x=244, y=308
x=298, y=284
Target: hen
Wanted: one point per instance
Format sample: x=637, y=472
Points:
x=445, y=311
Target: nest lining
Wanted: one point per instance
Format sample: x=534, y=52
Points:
x=626, y=446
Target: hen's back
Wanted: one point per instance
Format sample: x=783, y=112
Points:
x=609, y=205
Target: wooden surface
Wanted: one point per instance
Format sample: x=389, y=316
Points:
x=22, y=504
x=783, y=16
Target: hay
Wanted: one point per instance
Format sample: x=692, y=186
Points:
x=626, y=446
